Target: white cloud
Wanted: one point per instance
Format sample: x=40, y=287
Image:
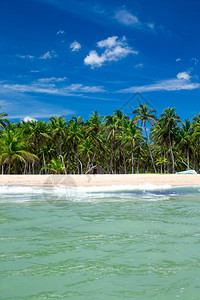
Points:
x=183, y=75
x=52, y=79
x=115, y=49
x=94, y=60
x=109, y=42
x=178, y=59
x=182, y=82
x=29, y=119
x=127, y=18
x=75, y=46
x=48, y=55
x=60, y=32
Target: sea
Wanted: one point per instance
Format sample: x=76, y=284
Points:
x=117, y=242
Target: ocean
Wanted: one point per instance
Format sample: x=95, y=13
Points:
x=124, y=242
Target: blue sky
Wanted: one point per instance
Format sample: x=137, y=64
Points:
x=71, y=57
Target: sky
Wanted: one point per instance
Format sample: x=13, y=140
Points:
x=72, y=57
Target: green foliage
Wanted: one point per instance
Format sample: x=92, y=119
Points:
x=117, y=143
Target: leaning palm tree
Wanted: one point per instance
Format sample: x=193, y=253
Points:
x=3, y=120
x=143, y=114
x=13, y=150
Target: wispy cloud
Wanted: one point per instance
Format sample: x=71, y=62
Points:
x=52, y=79
x=26, y=56
x=139, y=66
x=60, y=32
x=75, y=46
x=195, y=60
x=125, y=17
x=181, y=82
x=48, y=55
x=178, y=59
x=46, y=86
x=151, y=26
x=114, y=50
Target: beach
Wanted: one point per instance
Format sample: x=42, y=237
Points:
x=101, y=180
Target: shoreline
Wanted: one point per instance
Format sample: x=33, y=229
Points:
x=101, y=180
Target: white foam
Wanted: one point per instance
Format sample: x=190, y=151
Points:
x=5, y=189
x=123, y=188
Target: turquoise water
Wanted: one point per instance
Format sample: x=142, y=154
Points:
x=100, y=243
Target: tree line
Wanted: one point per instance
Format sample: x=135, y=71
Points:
x=120, y=144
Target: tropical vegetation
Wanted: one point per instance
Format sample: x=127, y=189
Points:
x=140, y=143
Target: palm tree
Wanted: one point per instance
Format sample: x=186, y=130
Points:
x=75, y=134
x=185, y=140
x=13, y=149
x=132, y=136
x=143, y=114
x=93, y=129
x=113, y=125
x=86, y=148
x=55, y=166
x=38, y=133
x=3, y=121
x=58, y=128
x=170, y=120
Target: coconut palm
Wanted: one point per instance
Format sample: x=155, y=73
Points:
x=113, y=125
x=93, y=129
x=170, y=121
x=13, y=150
x=145, y=115
x=58, y=129
x=132, y=136
x=38, y=134
x=3, y=120
x=55, y=166
x=185, y=141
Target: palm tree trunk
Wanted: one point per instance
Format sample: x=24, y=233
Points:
x=9, y=166
x=138, y=162
x=150, y=149
x=172, y=154
x=111, y=159
x=124, y=158
x=132, y=163
x=188, y=159
x=62, y=156
x=44, y=161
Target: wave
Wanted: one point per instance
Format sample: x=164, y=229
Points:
x=143, y=188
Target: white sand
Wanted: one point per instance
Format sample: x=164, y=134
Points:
x=100, y=180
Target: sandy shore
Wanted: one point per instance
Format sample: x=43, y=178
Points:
x=100, y=180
